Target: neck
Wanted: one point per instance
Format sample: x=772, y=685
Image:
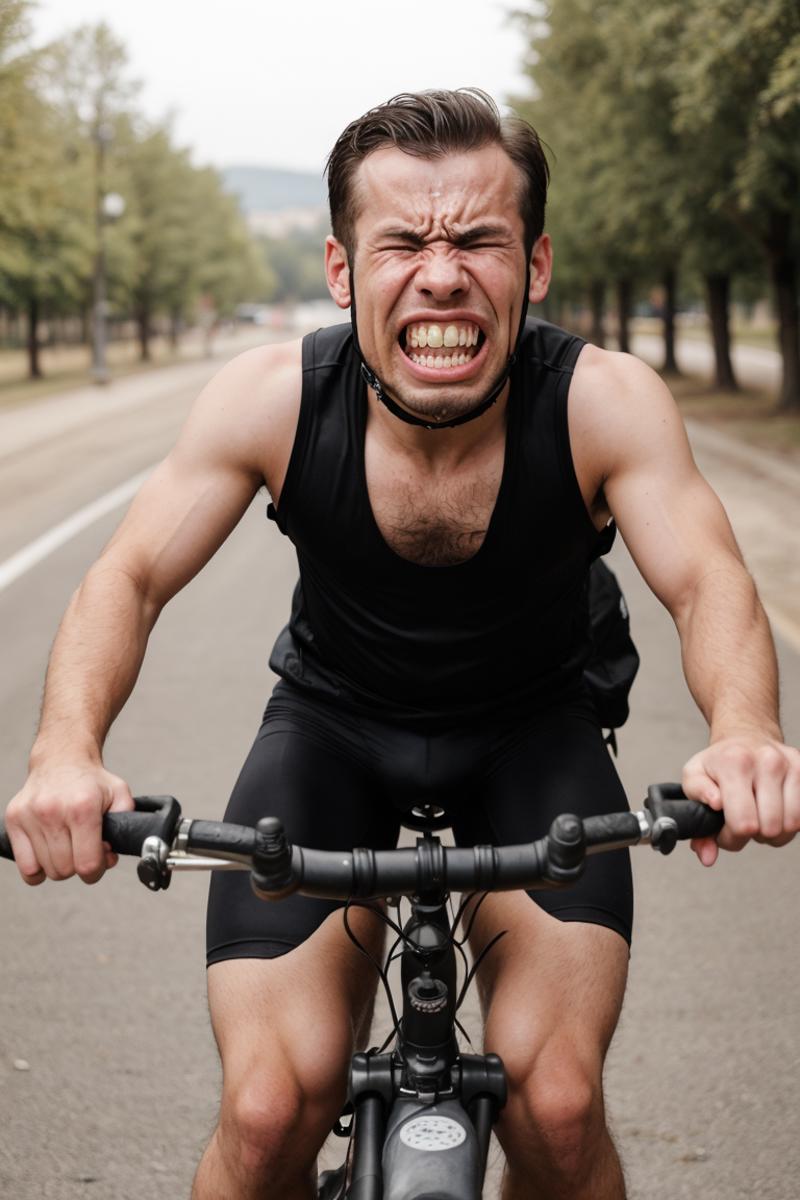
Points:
x=439, y=445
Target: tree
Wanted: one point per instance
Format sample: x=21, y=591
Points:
x=739, y=100
x=45, y=233
x=679, y=128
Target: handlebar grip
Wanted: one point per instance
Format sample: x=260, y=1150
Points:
x=125, y=832
x=677, y=818
x=154, y=816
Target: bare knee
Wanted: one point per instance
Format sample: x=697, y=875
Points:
x=260, y=1121
x=555, y=1112
x=272, y=1123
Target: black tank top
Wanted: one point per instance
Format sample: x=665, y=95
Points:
x=434, y=646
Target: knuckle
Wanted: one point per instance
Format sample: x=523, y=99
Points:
x=46, y=809
x=771, y=827
x=771, y=762
x=743, y=825
x=739, y=758
x=84, y=809
x=11, y=816
x=90, y=862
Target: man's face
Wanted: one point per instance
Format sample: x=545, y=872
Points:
x=439, y=274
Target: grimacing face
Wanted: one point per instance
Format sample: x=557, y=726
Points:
x=440, y=270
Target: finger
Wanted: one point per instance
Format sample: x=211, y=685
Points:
x=56, y=842
x=698, y=784
x=121, y=798
x=791, y=792
x=706, y=850
x=28, y=864
x=736, y=777
x=733, y=842
x=87, y=843
x=782, y=840
x=41, y=850
x=771, y=767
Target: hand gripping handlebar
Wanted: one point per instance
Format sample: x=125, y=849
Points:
x=164, y=842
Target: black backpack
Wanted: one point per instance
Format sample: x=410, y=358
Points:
x=613, y=661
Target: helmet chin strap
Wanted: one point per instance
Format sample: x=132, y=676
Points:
x=372, y=380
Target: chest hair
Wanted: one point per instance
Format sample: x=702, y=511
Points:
x=435, y=522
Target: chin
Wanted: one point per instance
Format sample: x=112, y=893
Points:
x=437, y=404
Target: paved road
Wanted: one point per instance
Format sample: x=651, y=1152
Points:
x=102, y=989
x=755, y=366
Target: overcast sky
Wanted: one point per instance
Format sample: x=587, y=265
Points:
x=273, y=82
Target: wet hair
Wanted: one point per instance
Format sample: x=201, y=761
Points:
x=431, y=124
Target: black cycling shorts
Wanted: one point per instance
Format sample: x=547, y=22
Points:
x=339, y=779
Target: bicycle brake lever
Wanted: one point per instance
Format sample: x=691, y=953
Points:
x=152, y=867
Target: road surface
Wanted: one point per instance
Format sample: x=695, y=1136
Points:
x=108, y=1074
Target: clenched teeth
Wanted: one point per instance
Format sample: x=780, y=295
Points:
x=433, y=336
x=441, y=360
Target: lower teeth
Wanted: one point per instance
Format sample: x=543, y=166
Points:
x=439, y=360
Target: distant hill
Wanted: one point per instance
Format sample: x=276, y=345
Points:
x=271, y=189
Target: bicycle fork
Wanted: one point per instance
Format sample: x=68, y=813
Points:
x=424, y=1113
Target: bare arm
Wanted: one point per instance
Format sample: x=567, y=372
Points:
x=680, y=537
x=235, y=436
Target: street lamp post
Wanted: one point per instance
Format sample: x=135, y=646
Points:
x=108, y=207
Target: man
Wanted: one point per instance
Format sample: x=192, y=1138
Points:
x=447, y=475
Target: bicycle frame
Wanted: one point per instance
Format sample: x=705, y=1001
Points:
x=423, y=1112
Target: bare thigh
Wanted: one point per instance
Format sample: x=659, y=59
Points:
x=286, y=1027
x=551, y=993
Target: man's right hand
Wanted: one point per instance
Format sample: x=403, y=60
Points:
x=55, y=821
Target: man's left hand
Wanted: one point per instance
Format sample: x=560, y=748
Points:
x=755, y=781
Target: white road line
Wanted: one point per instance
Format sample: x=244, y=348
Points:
x=35, y=551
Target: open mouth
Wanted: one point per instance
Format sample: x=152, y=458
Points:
x=442, y=346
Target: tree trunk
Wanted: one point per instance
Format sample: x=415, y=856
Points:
x=669, y=282
x=597, y=297
x=624, y=295
x=144, y=332
x=784, y=279
x=718, y=289
x=174, y=329
x=34, y=366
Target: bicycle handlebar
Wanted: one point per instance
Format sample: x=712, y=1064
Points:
x=164, y=842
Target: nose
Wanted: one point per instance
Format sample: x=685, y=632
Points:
x=441, y=274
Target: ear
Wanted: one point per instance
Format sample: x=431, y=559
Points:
x=337, y=272
x=541, y=268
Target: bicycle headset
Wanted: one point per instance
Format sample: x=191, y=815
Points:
x=372, y=380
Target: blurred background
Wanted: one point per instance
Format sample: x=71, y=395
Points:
x=162, y=170
x=162, y=207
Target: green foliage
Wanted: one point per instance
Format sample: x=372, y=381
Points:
x=674, y=126
x=45, y=230
x=69, y=135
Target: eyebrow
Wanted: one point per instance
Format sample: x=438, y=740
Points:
x=476, y=234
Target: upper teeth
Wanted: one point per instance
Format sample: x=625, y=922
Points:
x=461, y=334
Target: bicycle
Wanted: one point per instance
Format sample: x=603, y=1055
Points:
x=421, y=1113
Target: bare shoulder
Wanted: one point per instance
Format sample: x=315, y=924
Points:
x=620, y=408
x=247, y=413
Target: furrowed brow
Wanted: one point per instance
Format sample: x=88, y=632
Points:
x=479, y=233
x=461, y=240
x=403, y=235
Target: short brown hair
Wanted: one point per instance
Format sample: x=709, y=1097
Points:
x=430, y=124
